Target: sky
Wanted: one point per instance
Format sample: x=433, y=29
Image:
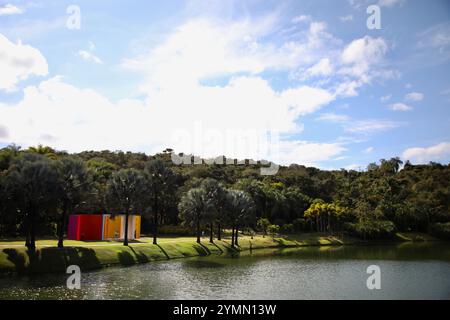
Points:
x=304, y=82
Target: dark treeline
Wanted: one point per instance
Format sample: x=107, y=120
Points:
x=40, y=187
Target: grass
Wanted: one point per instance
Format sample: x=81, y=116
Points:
x=15, y=258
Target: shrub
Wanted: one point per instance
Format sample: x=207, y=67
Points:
x=377, y=229
x=287, y=228
x=300, y=224
x=440, y=230
x=176, y=230
x=273, y=229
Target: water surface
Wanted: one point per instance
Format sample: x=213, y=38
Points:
x=408, y=271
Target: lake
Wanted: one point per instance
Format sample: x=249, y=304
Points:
x=408, y=271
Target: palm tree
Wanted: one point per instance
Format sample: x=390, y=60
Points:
x=193, y=208
x=216, y=196
x=73, y=184
x=161, y=183
x=240, y=211
x=125, y=193
x=33, y=184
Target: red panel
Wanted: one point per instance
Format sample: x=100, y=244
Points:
x=73, y=232
x=91, y=227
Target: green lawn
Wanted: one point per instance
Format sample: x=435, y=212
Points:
x=14, y=256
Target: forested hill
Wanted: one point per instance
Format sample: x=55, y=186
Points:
x=388, y=195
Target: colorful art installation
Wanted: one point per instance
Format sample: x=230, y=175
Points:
x=91, y=227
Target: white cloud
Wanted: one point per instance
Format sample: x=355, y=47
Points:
x=355, y=167
x=10, y=9
x=322, y=68
x=89, y=56
x=199, y=120
x=385, y=98
x=400, y=107
x=346, y=18
x=437, y=36
x=390, y=3
x=414, y=96
x=301, y=18
x=361, y=54
x=371, y=126
x=308, y=153
x=18, y=62
x=368, y=150
x=438, y=152
x=361, y=62
x=203, y=49
x=333, y=117
x=358, y=4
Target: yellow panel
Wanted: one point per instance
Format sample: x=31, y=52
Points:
x=138, y=227
x=112, y=227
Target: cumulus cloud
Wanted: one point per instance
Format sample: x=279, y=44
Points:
x=18, y=62
x=301, y=18
x=414, y=96
x=217, y=120
x=89, y=56
x=9, y=9
x=400, y=107
x=185, y=110
x=346, y=18
x=438, y=152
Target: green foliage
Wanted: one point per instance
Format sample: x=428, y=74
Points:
x=263, y=224
x=440, y=230
x=287, y=228
x=40, y=183
x=371, y=229
x=273, y=229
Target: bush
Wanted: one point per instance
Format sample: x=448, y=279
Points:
x=380, y=229
x=300, y=224
x=273, y=229
x=175, y=230
x=287, y=228
x=440, y=230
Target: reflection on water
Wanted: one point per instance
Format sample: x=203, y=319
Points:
x=408, y=271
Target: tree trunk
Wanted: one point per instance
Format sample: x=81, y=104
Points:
x=155, y=228
x=62, y=226
x=232, y=236
x=125, y=236
x=236, y=236
x=211, y=233
x=198, y=230
x=219, y=233
x=155, y=222
x=32, y=245
x=27, y=230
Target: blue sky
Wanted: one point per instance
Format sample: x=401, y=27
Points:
x=219, y=77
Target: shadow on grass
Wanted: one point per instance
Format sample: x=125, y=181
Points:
x=46, y=260
x=201, y=249
x=163, y=251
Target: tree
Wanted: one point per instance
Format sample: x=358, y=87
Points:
x=273, y=229
x=263, y=224
x=193, y=208
x=126, y=193
x=33, y=182
x=73, y=184
x=216, y=197
x=240, y=212
x=161, y=186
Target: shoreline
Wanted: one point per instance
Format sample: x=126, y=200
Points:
x=15, y=259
